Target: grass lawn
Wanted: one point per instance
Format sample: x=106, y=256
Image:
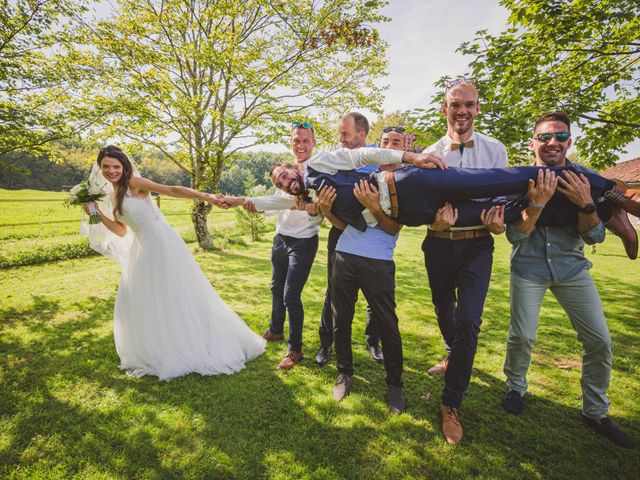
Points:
x=67, y=411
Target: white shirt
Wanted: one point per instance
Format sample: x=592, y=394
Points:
x=292, y=223
x=486, y=152
x=342, y=159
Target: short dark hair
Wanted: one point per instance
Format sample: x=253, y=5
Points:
x=362, y=124
x=289, y=166
x=557, y=116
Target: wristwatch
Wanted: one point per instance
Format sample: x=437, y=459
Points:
x=588, y=208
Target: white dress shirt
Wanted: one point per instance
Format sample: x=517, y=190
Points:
x=486, y=152
x=342, y=159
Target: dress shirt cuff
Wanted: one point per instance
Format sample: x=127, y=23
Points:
x=273, y=202
x=594, y=235
x=513, y=235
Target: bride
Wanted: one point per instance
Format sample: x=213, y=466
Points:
x=168, y=319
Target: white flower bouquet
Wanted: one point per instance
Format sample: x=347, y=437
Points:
x=87, y=192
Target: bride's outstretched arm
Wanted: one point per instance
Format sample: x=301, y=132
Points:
x=143, y=185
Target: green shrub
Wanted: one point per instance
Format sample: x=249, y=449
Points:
x=46, y=253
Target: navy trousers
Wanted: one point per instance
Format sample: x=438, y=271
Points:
x=291, y=260
x=421, y=192
x=326, y=319
x=459, y=273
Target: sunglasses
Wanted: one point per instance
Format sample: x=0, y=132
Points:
x=393, y=129
x=301, y=125
x=546, y=137
x=449, y=84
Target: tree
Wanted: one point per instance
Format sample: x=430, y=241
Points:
x=249, y=168
x=202, y=79
x=36, y=74
x=580, y=56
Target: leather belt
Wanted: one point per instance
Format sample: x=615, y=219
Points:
x=393, y=194
x=459, y=234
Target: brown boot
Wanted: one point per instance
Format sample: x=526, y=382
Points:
x=620, y=225
x=272, y=337
x=451, y=428
x=439, y=368
x=290, y=359
x=624, y=196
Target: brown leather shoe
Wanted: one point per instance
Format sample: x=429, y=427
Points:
x=626, y=197
x=620, y=225
x=290, y=359
x=272, y=337
x=451, y=428
x=439, y=368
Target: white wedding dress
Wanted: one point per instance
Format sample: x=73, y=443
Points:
x=168, y=319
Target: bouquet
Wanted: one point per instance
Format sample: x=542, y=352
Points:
x=88, y=192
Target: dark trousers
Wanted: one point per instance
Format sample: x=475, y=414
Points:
x=326, y=319
x=422, y=191
x=291, y=260
x=459, y=273
x=376, y=279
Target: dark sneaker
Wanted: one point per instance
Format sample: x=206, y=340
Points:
x=606, y=428
x=395, y=400
x=512, y=402
x=342, y=387
x=376, y=353
x=323, y=356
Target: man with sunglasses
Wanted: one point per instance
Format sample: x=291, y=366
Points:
x=552, y=258
x=459, y=259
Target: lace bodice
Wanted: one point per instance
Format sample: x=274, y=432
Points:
x=140, y=213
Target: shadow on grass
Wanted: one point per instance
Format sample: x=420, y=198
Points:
x=67, y=410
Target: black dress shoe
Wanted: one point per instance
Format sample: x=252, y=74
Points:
x=342, y=387
x=376, y=353
x=323, y=355
x=395, y=400
x=606, y=428
x=512, y=402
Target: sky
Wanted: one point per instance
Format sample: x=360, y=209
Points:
x=423, y=36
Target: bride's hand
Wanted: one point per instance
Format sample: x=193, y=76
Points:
x=214, y=199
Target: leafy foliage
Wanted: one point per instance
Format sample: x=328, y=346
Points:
x=200, y=80
x=37, y=74
x=252, y=223
x=581, y=56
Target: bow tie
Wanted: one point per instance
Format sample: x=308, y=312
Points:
x=462, y=146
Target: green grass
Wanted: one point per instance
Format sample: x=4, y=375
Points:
x=66, y=411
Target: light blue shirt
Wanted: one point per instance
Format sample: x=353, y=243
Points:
x=372, y=243
x=552, y=254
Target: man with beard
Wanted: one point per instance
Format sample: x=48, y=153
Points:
x=552, y=258
x=459, y=260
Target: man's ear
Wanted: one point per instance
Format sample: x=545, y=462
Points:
x=443, y=109
x=478, y=107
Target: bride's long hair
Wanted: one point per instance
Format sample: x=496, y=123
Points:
x=127, y=172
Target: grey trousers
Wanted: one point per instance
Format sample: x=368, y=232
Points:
x=581, y=301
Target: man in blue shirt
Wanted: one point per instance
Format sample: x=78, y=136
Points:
x=363, y=260
x=553, y=258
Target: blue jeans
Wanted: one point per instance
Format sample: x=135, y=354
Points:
x=291, y=260
x=459, y=272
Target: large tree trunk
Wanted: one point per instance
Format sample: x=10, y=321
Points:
x=199, y=212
